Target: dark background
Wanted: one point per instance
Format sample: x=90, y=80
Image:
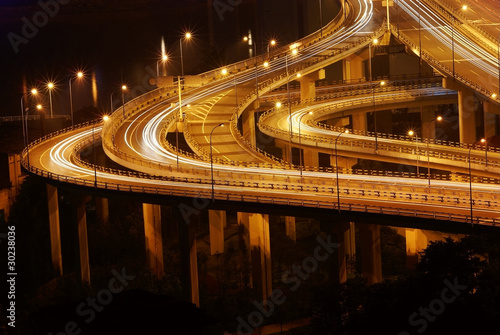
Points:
x=120, y=42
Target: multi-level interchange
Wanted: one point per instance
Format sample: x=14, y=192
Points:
x=454, y=61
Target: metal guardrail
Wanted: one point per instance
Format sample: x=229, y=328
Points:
x=441, y=67
x=220, y=194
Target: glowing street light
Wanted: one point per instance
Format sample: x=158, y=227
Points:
x=124, y=88
x=412, y=133
x=212, y=160
x=163, y=59
x=50, y=86
x=337, y=167
x=104, y=119
x=33, y=92
x=39, y=108
x=271, y=43
x=187, y=36
x=223, y=71
x=484, y=141
x=79, y=75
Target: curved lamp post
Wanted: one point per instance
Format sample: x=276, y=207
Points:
x=39, y=108
x=33, y=92
x=187, y=36
x=212, y=159
x=50, y=86
x=79, y=75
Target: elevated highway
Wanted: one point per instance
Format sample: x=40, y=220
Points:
x=225, y=166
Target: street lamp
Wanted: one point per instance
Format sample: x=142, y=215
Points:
x=300, y=142
x=411, y=133
x=253, y=46
x=39, y=108
x=271, y=43
x=124, y=88
x=33, y=92
x=187, y=36
x=375, y=42
x=163, y=59
x=79, y=75
x=211, y=158
x=337, y=168
x=104, y=119
x=485, y=142
x=320, y=19
x=438, y=119
x=470, y=188
x=50, y=86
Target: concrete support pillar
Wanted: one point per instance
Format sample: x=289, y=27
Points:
x=83, y=243
x=353, y=67
x=310, y=157
x=260, y=250
x=491, y=119
x=467, y=116
x=428, y=122
x=308, y=85
x=359, y=122
x=102, y=209
x=55, y=231
x=371, y=258
x=189, y=262
x=154, y=241
x=285, y=149
x=248, y=124
x=290, y=228
x=347, y=249
x=416, y=241
x=467, y=108
x=217, y=222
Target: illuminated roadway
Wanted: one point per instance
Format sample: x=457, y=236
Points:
x=138, y=142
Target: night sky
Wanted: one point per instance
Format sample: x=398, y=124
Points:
x=120, y=42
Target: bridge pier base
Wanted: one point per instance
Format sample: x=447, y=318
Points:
x=189, y=262
x=260, y=250
x=83, y=243
x=371, y=257
x=257, y=234
x=290, y=228
x=102, y=208
x=55, y=231
x=416, y=241
x=154, y=241
x=347, y=249
x=217, y=223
